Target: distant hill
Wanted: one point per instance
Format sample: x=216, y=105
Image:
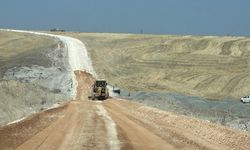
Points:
x=206, y=66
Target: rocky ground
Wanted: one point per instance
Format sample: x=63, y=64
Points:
x=227, y=112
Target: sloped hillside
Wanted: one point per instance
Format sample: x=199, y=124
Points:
x=34, y=74
x=207, y=66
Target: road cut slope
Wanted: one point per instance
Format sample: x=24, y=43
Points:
x=82, y=124
x=34, y=74
x=37, y=70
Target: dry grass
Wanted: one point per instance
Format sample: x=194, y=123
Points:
x=12, y=43
x=207, y=66
x=18, y=99
x=23, y=49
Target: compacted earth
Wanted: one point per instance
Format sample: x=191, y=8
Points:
x=115, y=124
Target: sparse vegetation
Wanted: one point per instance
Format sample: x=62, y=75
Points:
x=24, y=58
x=21, y=99
x=206, y=66
x=23, y=49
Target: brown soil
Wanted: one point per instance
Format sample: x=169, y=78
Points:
x=143, y=127
x=77, y=125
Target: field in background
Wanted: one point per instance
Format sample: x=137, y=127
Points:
x=206, y=66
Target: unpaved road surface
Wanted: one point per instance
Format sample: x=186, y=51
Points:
x=115, y=124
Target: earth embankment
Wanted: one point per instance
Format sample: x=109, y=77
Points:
x=34, y=73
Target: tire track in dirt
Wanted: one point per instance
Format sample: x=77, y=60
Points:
x=12, y=136
x=232, y=83
x=139, y=137
x=226, y=47
x=171, y=139
x=171, y=55
x=110, y=128
x=206, y=82
x=81, y=127
x=178, y=132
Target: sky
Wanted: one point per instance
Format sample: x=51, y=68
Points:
x=184, y=17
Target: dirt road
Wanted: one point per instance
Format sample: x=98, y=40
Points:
x=115, y=124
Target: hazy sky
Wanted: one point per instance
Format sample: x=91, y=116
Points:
x=199, y=17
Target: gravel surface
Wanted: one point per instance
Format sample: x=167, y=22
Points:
x=228, y=112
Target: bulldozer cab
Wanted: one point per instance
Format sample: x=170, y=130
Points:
x=99, y=90
x=100, y=83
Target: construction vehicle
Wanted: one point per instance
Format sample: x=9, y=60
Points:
x=245, y=99
x=116, y=90
x=99, y=90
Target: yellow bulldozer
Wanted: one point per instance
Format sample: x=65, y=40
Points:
x=99, y=90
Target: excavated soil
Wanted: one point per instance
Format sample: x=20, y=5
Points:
x=85, y=124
